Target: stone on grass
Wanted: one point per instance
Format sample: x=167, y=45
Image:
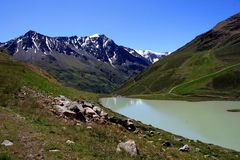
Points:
x=7, y=143
x=54, y=150
x=69, y=142
x=129, y=146
x=184, y=148
x=89, y=127
x=167, y=144
x=130, y=125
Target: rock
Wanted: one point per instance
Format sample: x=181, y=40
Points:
x=102, y=120
x=69, y=142
x=59, y=109
x=129, y=146
x=89, y=111
x=97, y=109
x=89, y=127
x=206, y=156
x=62, y=101
x=167, y=144
x=76, y=105
x=54, y=150
x=129, y=125
x=137, y=131
x=113, y=120
x=159, y=133
x=184, y=148
x=62, y=97
x=79, y=110
x=87, y=104
x=197, y=149
x=95, y=116
x=178, y=139
x=69, y=114
x=103, y=114
x=7, y=143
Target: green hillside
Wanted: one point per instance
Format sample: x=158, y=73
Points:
x=207, y=66
x=26, y=120
x=15, y=75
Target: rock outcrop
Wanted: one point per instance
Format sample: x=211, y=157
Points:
x=129, y=146
x=85, y=111
x=79, y=110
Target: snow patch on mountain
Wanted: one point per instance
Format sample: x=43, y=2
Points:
x=152, y=56
x=94, y=36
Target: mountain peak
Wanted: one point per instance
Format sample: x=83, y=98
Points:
x=30, y=32
x=229, y=25
x=94, y=36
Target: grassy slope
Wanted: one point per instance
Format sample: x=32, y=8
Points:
x=191, y=69
x=95, y=77
x=34, y=130
x=14, y=75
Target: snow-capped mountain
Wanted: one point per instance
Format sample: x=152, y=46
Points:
x=99, y=46
x=94, y=63
x=151, y=55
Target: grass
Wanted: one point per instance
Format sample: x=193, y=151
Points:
x=34, y=130
x=191, y=85
x=14, y=75
x=192, y=71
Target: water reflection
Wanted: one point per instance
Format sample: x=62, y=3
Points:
x=116, y=103
x=206, y=121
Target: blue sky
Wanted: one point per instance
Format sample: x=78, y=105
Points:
x=159, y=25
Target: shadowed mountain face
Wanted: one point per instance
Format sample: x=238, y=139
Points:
x=93, y=63
x=198, y=68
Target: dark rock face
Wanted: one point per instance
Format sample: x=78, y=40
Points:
x=93, y=63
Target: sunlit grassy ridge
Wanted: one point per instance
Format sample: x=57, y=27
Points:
x=200, y=68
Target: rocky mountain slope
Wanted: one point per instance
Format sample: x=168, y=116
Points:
x=93, y=63
x=206, y=66
x=41, y=119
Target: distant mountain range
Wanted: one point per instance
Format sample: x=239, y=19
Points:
x=151, y=55
x=92, y=63
x=209, y=65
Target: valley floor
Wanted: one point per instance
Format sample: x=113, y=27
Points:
x=37, y=133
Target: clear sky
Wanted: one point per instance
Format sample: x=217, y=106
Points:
x=159, y=25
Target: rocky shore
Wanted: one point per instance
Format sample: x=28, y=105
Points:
x=136, y=136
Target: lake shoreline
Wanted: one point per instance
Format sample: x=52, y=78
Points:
x=165, y=128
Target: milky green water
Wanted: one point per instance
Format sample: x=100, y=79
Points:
x=206, y=121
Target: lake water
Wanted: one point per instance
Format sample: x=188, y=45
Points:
x=207, y=121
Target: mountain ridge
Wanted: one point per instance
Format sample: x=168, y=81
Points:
x=92, y=63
